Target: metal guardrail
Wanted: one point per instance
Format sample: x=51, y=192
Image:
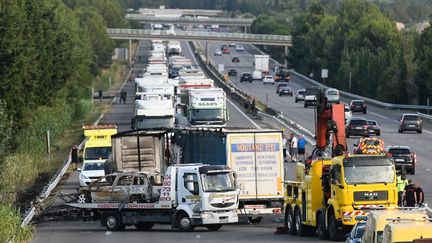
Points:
x=190, y=20
x=171, y=11
x=282, y=40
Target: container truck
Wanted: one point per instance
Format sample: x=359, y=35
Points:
x=190, y=196
x=262, y=63
x=174, y=48
x=255, y=156
x=96, y=151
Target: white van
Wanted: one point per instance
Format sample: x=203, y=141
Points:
x=332, y=95
x=257, y=75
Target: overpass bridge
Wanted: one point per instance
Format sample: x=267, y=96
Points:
x=258, y=39
x=190, y=20
x=179, y=12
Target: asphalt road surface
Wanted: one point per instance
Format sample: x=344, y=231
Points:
x=92, y=231
x=419, y=143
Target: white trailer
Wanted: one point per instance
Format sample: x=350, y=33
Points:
x=262, y=63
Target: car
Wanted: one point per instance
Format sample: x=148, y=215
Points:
x=285, y=91
x=332, y=95
x=356, y=126
x=358, y=106
x=356, y=232
x=223, y=47
x=403, y=157
x=348, y=113
x=268, y=79
x=410, y=122
x=232, y=72
x=218, y=53
x=279, y=87
x=374, y=127
x=91, y=171
x=226, y=51
x=246, y=77
x=239, y=48
x=371, y=145
x=299, y=95
x=235, y=59
x=232, y=44
x=120, y=187
x=311, y=96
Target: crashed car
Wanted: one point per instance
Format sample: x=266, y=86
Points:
x=121, y=187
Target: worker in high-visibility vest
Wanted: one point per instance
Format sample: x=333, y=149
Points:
x=401, y=183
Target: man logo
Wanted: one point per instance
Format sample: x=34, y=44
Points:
x=370, y=195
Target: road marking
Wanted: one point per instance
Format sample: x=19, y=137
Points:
x=241, y=112
x=427, y=131
x=428, y=169
x=376, y=114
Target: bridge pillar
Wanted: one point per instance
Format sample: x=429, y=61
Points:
x=245, y=29
x=286, y=55
x=130, y=51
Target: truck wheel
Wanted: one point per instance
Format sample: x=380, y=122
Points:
x=300, y=230
x=322, y=232
x=334, y=232
x=184, y=223
x=256, y=220
x=112, y=221
x=143, y=226
x=289, y=220
x=214, y=227
x=84, y=197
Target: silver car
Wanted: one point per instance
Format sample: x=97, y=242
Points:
x=299, y=95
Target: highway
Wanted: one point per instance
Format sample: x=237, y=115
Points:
x=419, y=143
x=91, y=231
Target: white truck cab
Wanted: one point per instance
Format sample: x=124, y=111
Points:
x=207, y=107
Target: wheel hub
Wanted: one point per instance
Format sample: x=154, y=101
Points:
x=185, y=223
x=111, y=221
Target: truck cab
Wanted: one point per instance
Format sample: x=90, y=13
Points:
x=97, y=149
x=207, y=107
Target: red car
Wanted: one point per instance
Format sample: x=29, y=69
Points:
x=226, y=51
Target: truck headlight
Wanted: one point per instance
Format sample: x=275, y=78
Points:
x=206, y=215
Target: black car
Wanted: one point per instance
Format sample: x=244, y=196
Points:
x=410, y=122
x=356, y=126
x=235, y=59
x=357, y=232
x=285, y=91
x=232, y=72
x=403, y=156
x=374, y=127
x=246, y=77
x=358, y=106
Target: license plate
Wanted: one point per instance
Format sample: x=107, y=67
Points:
x=402, y=160
x=411, y=125
x=371, y=130
x=359, y=127
x=223, y=220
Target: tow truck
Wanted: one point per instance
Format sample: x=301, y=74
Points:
x=333, y=187
x=190, y=195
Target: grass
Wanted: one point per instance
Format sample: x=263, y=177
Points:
x=28, y=169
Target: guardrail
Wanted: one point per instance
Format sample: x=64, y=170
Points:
x=171, y=11
x=283, y=40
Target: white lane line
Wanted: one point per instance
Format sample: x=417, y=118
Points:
x=241, y=112
x=376, y=114
x=427, y=131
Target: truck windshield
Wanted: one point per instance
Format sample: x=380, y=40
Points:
x=154, y=122
x=218, y=182
x=368, y=174
x=207, y=114
x=97, y=153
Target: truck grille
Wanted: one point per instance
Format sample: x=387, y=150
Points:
x=221, y=205
x=370, y=196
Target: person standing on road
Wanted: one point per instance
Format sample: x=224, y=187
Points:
x=301, y=145
x=402, y=182
x=419, y=194
x=294, y=147
x=410, y=197
x=284, y=147
x=74, y=157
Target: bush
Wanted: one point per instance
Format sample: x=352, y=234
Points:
x=82, y=108
x=10, y=226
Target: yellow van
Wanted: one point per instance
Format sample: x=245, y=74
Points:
x=378, y=219
x=408, y=231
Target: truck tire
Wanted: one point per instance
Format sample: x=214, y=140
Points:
x=112, y=221
x=184, y=223
x=289, y=220
x=256, y=220
x=334, y=233
x=214, y=227
x=144, y=226
x=321, y=228
x=299, y=227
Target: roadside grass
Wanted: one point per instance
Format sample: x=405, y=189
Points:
x=24, y=173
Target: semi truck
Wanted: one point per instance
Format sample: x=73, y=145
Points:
x=261, y=63
x=97, y=148
x=174, y=48
x=190, y=196
x=255, y=156
x=333, y=187
x=205, y=107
